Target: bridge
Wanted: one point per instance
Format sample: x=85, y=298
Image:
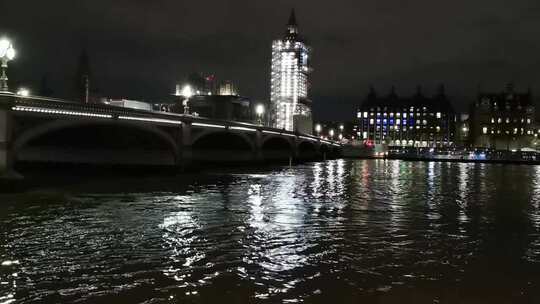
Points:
x=43, y=130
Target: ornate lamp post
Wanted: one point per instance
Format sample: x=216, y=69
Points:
x=259, y=110
x=187, y=92
x=7, y=53
x=318, y=129
x=24, y=92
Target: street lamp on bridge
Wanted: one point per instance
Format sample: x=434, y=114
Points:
x=187, y=92
x=259, y=110
x=7, y=53
x=24, y=92
x=318, y=129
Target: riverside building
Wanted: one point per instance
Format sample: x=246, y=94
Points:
x=503, y=121
x=417, y=121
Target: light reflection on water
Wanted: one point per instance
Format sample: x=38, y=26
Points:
x=339, y=230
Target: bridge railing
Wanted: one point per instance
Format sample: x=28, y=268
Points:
x=53, y=106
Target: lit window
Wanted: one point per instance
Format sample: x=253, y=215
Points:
x=391, y=114
x=371, y=121
x=484, y=130
x=515, y=130
x=499, y=120
x=492, y=120
x=438, y=128
x=528, y=120
x=365, y=114
x=424, y=122
x=507, y=120
x=438, y=114
x=398, y=114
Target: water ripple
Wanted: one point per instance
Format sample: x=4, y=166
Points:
x=340, y=231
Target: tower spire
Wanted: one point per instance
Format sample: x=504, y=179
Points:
x=292, y=27
x=292, y=19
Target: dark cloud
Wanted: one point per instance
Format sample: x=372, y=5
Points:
x=139, y=49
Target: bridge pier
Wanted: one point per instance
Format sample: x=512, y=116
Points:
x=258, y=146
x=6, y=154
x=295, y=151
x=185, y=144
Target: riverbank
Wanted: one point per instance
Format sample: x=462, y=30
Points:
x=457, y=160
x=421, y=159
x=486, y=156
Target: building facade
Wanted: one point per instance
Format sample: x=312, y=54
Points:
x=227, y=88
x=291, y=107
x=503, y=121
x=417, y=121
x=201, y=84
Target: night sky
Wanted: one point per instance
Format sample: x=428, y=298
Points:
x=138, y=49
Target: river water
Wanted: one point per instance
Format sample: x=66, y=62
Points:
x=369, y=231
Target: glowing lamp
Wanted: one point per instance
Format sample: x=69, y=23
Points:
x=23, y=92
x=259, y=109
x=187, y=92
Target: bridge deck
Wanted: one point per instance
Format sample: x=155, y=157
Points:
x=58, y=107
